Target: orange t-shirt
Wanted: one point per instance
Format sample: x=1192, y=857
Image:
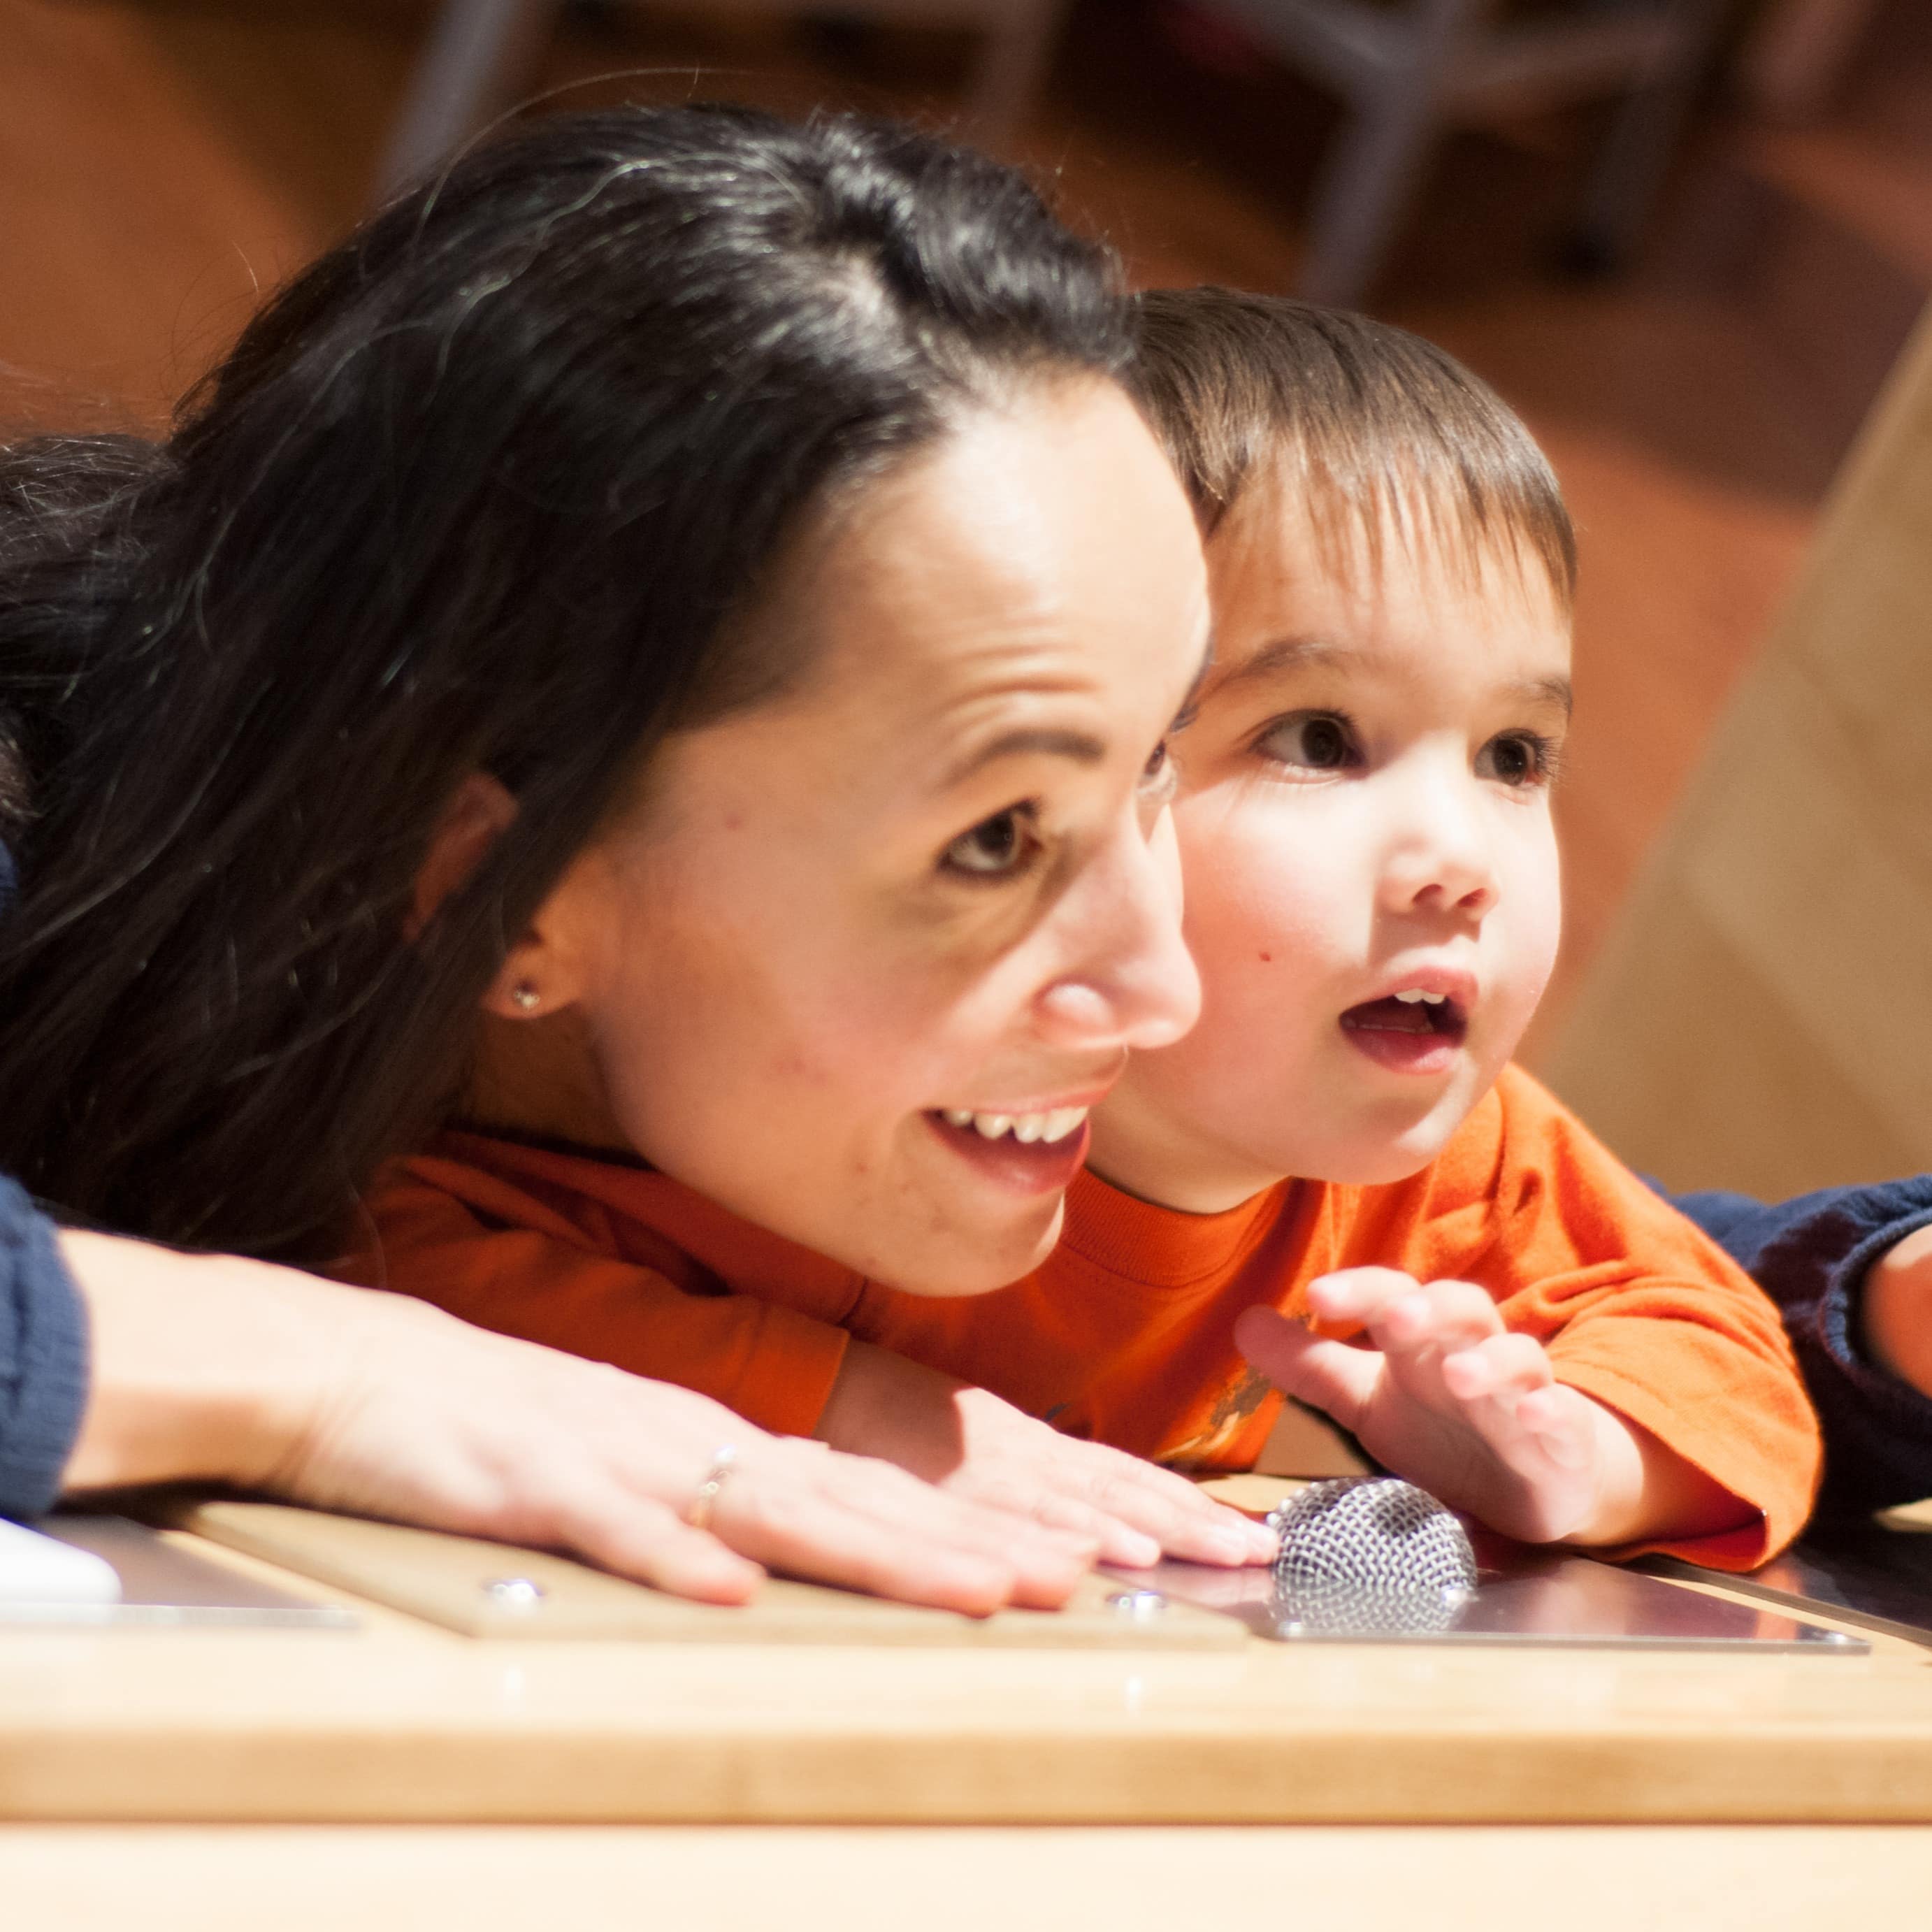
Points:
x=1124, y=1335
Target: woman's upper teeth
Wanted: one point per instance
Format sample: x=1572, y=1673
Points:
x=1411, y=994
x=1026, y=1128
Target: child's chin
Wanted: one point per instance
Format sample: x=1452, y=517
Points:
x=1377, y=1160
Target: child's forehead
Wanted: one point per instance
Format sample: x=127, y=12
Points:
x=1282, y=562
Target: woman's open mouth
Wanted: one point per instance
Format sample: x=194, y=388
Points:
x=1413, y=1031
x=1030, y=1153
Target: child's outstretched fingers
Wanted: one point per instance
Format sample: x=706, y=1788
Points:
x=1417, y=1332
x=1332, y=1376
x=1500, y=1367
x=1444, y=1396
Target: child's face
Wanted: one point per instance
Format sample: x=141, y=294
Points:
x=1365, y=814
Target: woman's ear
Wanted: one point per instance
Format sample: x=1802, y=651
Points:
x=552, y=963
x=478, y=813
x=535, y=978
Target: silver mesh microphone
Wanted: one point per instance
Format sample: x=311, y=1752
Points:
x=1371, y=1555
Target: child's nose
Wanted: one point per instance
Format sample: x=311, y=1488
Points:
x=1441, y=859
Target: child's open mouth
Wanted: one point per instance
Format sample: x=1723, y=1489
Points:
x=1409, y=1032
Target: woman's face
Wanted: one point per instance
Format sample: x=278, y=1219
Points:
x=862, y=957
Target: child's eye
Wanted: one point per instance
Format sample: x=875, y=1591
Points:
x=1517, y=759
x=998, y=847
x=1317, y=741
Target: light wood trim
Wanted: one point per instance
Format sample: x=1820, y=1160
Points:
x=1761, y=1019
x=1392, y=1880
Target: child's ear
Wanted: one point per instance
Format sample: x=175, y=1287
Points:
x=478, y=813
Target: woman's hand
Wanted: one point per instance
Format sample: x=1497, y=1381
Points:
x=1440, y=1392
x=972, y=1444
x=211, y=1367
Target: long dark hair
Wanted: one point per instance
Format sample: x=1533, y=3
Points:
x=477, y=492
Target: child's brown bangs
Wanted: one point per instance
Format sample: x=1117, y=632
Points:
x=1384, y=434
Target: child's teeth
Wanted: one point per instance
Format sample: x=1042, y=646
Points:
x=958, y=1116
x=1412, y=995
x=992, y=1126
x=1062, y=1121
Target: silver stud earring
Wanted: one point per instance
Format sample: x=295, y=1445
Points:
x=525, y=997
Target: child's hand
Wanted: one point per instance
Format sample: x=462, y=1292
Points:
x=973, y=1445
x=1896, y=1310
x=1445, y=1395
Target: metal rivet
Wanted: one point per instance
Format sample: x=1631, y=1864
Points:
x=1137, y=1605
x=514, y=1593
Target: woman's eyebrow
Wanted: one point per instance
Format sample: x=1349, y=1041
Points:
x=1032, y=742
x=1191, y=703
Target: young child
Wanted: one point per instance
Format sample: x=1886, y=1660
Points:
x=1373, y=903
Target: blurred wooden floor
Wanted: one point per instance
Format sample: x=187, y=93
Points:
x=160, y=160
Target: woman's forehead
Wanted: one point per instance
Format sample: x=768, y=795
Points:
x=1044, y=554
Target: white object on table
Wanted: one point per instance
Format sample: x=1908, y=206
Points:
x=37, y=1569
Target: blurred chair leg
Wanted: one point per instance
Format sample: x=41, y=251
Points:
x=1013, y=65
x=1366, y=184
x=478, y=52
x=1793, y=62
x=1364, y=189
x=1637, y=149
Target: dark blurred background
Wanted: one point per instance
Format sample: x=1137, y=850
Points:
x=1697, y=372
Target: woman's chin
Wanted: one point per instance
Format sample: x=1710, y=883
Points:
x=960, y=1253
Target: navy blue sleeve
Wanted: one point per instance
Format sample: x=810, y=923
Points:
x=1810, y=1256
x=43, y=1358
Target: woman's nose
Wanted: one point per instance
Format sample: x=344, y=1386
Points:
x=1439, y=856
x=1134, y=984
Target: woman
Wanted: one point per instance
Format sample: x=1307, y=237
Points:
x=691, y=591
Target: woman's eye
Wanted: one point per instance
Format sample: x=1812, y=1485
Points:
x=1516, y=759
x=1316, y=741
x=1161, y=774
x=996, y=847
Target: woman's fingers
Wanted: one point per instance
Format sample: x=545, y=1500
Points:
x=632, y=1536
x=1129, y=1507
x=1043, y=1560
x=826, y=1518
x=1183, y=1519
x=1014, y=1459
x=1115, y=1540
x=1172, y=1514
x=807, y=1532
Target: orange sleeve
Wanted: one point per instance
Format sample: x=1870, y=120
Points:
x=1639, y=1311
x=774, y=1365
